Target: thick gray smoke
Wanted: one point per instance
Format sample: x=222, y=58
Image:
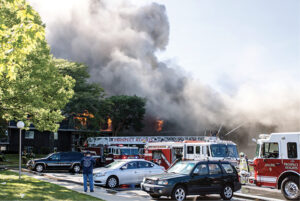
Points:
x=118, y=42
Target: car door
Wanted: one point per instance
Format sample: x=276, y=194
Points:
x=198, y=183
x=215, y=177
x=229, y=173
x=147, y=169
x=65, y=160
x=53, y=162
x=129, y=173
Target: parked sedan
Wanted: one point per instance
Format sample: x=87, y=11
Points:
x=194, y=178
x=129, y=171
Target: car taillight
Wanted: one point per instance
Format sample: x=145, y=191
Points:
x=124, y=157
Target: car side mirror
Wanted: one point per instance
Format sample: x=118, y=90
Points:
x=123, y=168
x=194, y=174
x=49, y=159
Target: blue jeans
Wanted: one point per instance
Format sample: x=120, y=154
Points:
x=91, y=181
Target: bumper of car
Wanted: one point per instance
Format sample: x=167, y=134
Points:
x=100, y=180
x=157, y=189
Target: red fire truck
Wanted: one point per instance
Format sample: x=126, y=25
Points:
x=110, y=148
x=277, y=163
x=166, y=153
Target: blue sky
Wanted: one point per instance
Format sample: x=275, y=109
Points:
x=229, y=43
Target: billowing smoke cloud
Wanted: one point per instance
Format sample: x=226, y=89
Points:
x=118, y=42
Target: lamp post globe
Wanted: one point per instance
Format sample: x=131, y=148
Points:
x=20, y=124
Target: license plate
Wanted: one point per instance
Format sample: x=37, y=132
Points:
x=147, y=188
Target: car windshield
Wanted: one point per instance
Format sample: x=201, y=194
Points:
x=223, y=150
x=181, y=168
x=129, y=152
x=49, y=155
x=232, y=151
x=115, y=164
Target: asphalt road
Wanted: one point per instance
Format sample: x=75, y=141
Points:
x=256, y=192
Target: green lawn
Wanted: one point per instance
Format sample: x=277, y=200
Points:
x=12, y=160
x=33, y=189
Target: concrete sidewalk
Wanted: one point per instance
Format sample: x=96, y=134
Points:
x=101, y=193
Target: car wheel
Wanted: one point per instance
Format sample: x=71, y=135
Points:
x=112, y=182
x=179, y=193
x=155, y=196
x=39, y=168
x=290, y=188
x=227, y=192
x=76, y=168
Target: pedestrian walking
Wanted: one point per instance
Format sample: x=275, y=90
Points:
x=87, y=164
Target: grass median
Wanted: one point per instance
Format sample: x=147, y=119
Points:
x=28, y=188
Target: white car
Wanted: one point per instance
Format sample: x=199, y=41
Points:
x=128, y=171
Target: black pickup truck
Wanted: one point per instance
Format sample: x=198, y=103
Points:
x=57, y=161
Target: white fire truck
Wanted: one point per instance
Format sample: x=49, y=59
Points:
x=277, y=163
x=166, y=153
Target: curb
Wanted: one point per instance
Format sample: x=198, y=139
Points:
x=254, y=197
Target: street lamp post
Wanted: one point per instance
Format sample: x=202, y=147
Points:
x=20, y=125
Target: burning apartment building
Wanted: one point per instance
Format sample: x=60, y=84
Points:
x=119, y=42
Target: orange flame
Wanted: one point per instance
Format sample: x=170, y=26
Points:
x=83, y=117
x=159, y=125
x=109, y=125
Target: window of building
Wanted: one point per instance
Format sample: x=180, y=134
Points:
x=28, y=149
x=29, y=135
x=292, y=150
x=270, y=150
x=190, y=149
x=197, y=149
x=55, y=136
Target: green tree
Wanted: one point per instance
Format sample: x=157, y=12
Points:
x=86, y=102
x=31, y=87
x=125, y=112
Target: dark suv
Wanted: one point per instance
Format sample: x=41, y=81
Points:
x=57, y=161
x=194, y=178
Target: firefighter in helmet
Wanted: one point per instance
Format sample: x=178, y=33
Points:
x=244, y=168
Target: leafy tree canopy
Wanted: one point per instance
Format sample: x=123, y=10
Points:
x=125, y=112
x=31, y=87
x=85, y=106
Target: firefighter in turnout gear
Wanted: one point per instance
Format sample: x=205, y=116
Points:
x=244, y=168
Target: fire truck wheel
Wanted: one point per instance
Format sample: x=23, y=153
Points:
x=179, y=193
x=227, y=192
x=155, y=196
x=112, y=182
x=290, y=188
